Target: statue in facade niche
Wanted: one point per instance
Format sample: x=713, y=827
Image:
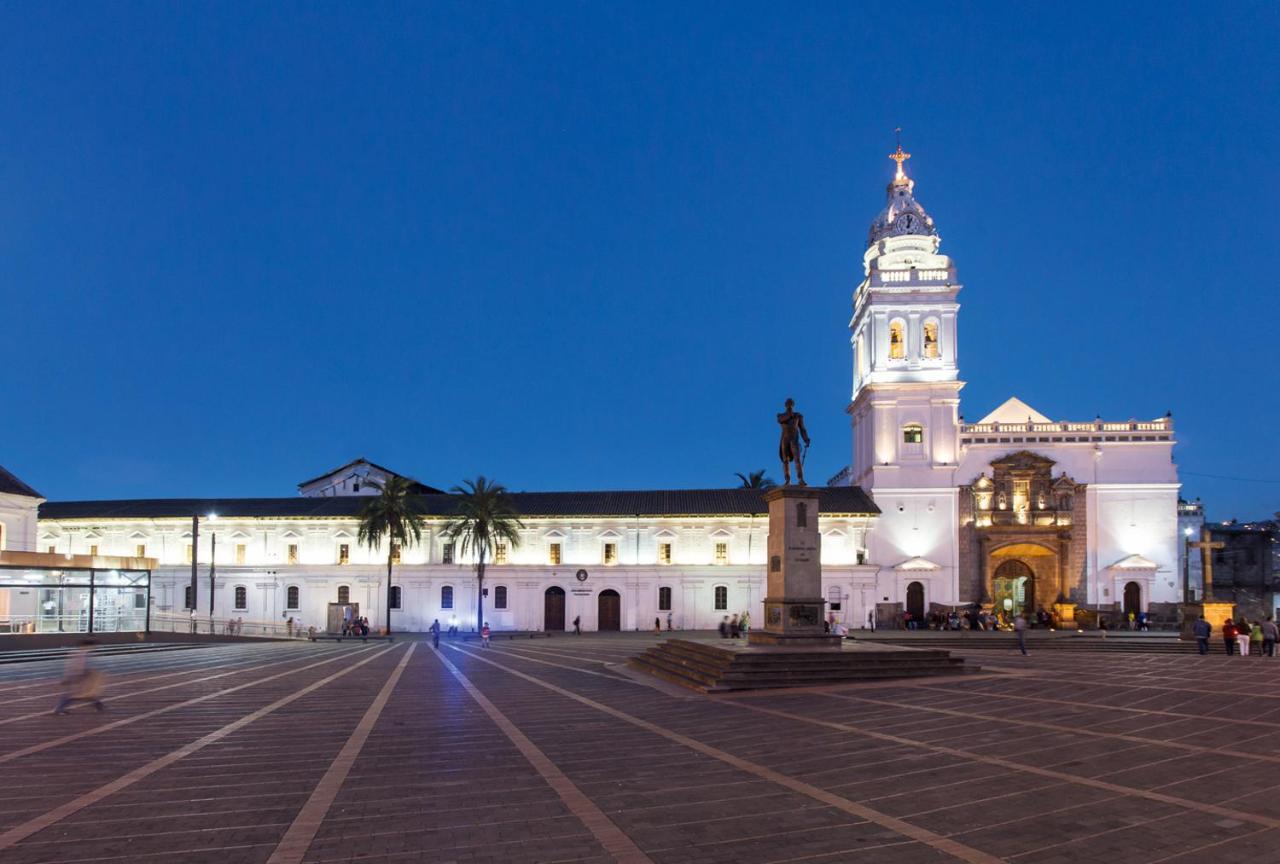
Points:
x=789, y=450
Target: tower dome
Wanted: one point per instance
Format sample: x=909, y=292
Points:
x=902, y=214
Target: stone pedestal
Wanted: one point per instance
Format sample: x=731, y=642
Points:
x=1215, y=613
x=1065, y=613
x=793, y=605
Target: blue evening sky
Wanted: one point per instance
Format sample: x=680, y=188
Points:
x=588, y=246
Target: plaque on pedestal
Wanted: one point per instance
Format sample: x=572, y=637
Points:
x=793, y=604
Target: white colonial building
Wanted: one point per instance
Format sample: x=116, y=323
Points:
x=1015, y=510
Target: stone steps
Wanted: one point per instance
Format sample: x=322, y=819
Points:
x=713, y=668
x=1007, y=641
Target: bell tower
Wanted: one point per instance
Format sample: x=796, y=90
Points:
x=905, y=403
x=906, y=386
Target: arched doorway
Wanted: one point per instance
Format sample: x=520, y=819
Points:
x=915, y=601
x=553, y=609
x=1132, y=599
x=609, y=609
x=1013, y=588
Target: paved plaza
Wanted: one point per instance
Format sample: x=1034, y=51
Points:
x=550, y=750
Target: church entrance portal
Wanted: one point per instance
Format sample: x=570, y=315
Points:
x=1013, y=588
x=609, y=607
x=553, y=609
x=915, y=601
x=1132, y=599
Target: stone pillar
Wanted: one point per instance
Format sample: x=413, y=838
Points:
x=984, y=590
x=793, y=606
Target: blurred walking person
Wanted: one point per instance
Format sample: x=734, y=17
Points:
x=81, y=683
x=1202, y=632
x=1269, y=634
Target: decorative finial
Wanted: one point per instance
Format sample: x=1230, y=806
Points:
x=899, y=156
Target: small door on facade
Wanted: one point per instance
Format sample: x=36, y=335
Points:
x=609, y=607
x=1132, y=599
x=553, y=609
x=339, y=612
x=915, y=601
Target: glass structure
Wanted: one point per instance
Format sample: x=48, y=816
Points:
x=74, y=600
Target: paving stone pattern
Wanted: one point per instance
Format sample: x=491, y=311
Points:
x=550, y=750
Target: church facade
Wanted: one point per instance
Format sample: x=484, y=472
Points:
x=1015, y=511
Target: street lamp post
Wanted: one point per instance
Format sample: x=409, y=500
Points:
x=195, y=564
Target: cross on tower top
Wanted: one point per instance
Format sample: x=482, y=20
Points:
x=899, y=156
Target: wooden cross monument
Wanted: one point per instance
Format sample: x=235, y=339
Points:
x=1206, y=547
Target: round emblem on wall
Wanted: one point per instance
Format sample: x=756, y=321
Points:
x=582, y=575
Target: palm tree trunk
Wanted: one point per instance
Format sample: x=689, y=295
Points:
x=388, y=591
x=480, y=593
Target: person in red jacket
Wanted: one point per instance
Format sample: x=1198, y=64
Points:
x=1229, y=636
x=484, y=635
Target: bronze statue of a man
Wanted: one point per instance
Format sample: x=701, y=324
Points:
x=789, y=450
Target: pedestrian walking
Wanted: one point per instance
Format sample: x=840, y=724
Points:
x=484, y=635
x=577, y=625
x=724, y=627
x=657, y=626
x=1229, y=636
x=1255, y=639
x=80, y=682
x=1202, y=632
x=669, y=627
x=734, y=628
x=1243, y=632
x=744, y=622
x=435, y=633
x=1269, y=634
x=1020, y=628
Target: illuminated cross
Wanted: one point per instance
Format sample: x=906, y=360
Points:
x=899, y=156
x=1206, y=547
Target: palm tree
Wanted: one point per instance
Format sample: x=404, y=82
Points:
x=483, y=518
x=395, y=514
x=755, y=480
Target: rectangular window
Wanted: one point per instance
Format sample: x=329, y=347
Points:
x=344, y=593
x=722, y=597
x=664, y=553
x=553, y=553
x=395, y=596
x=242, y=598
x=664, y=599
x=611, y=553
x=93, y=550
x=190, y=553
x=446, y=597
x=292, y=554
x=500, y=597
x=139, y=600
x=446, y=557
x=188, y=598
x=395, y=557
x=291, y=597
x=140, y=551
x=51, y=549
x=344, y=553
x=500, y=553
x=240, y=552
x=722, y=553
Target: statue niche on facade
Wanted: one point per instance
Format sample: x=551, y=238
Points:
x=789, y=449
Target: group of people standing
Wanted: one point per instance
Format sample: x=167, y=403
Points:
x=734, y=627
x=355, y=627
x=1240, y=637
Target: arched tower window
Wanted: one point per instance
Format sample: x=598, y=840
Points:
x=931, y=340
x=897, y=340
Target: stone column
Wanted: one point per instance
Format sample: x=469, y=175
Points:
x=793, y=606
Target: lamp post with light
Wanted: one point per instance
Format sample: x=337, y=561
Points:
x=195, y=564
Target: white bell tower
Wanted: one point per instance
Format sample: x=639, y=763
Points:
x=906, y=394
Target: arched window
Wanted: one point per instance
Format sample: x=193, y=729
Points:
x=931, y=340
x=913, y=433
x=446, y=597
x=291, y=597
x=722, y=597
x=500, y=597
x=344, y=594
x=664, y=599
x=395, y=596
x=897, y=340
x=242, y=598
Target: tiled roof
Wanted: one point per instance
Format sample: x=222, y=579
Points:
x=660, y=502
x=13, y=486
x=418, y=486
